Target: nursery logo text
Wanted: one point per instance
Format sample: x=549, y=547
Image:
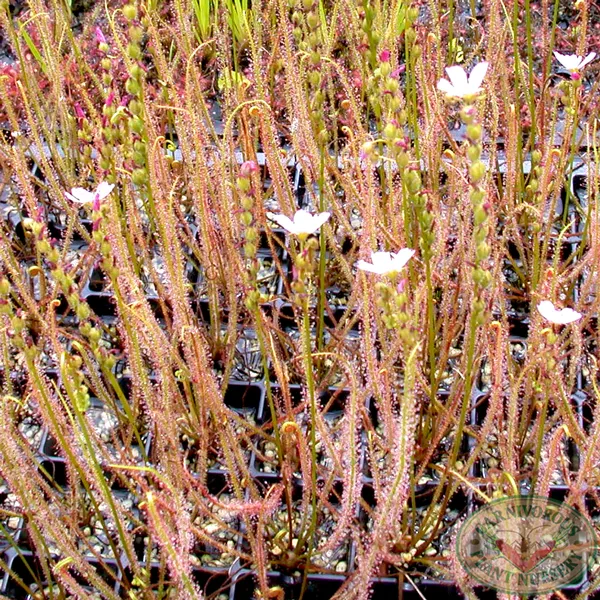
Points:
x=526, y=545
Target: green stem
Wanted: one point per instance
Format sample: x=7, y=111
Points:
x=321, y=299
x=308, y=364
x=540, y=440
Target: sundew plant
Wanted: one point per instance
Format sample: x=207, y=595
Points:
x=289, y=288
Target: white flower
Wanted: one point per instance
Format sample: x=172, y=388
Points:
x=82, y=196
x=385, y=263
x=559, y=317
x=572, y=62
x=459, y=85
x=303, y=224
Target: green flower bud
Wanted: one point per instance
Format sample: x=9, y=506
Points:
x=403, y=159
x=17, y=324
x=483, y=279
x=389, y=131
x=53, y=255
x=139, y=158
x=243, y=184
x=83, y=312
x=483, y=251
x=477, y=171
x=413, y=181
x=95, y=334
x=250, y=249
x=314, y=77
x=426, y=220
x=44, y=246
x=136, y=34
x=474, y=152
x=323, y=136
x=109, y=362
x=136, y=124
x=139, y=177
x=132, y=87
x=252, y=300
x=480, y=235
x=312, y=20
x=73, y=299
x=474, y=132
x=395, y=104
x=130, y=12
x=392, y=86
x=246, y=218
x=133, y=51
x=480, y=215
x=477, y=197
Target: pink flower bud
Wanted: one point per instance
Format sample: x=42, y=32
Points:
x=401, y=143
x=397, y=72
x=247, y=168
x=109, y=99
x=78, y=111
x=384, y=56
x=100, y=36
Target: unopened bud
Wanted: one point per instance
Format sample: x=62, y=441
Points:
x=139, y=176
x=132, y=87
x=133, y=51
x=477, y=171
x=474, y=132
x=483, y=251
x=474, y=152
x=243, y=184
x=250, y=249
x=130, y=12
x=247, y=168
x=413, y=182
x=480, y=215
